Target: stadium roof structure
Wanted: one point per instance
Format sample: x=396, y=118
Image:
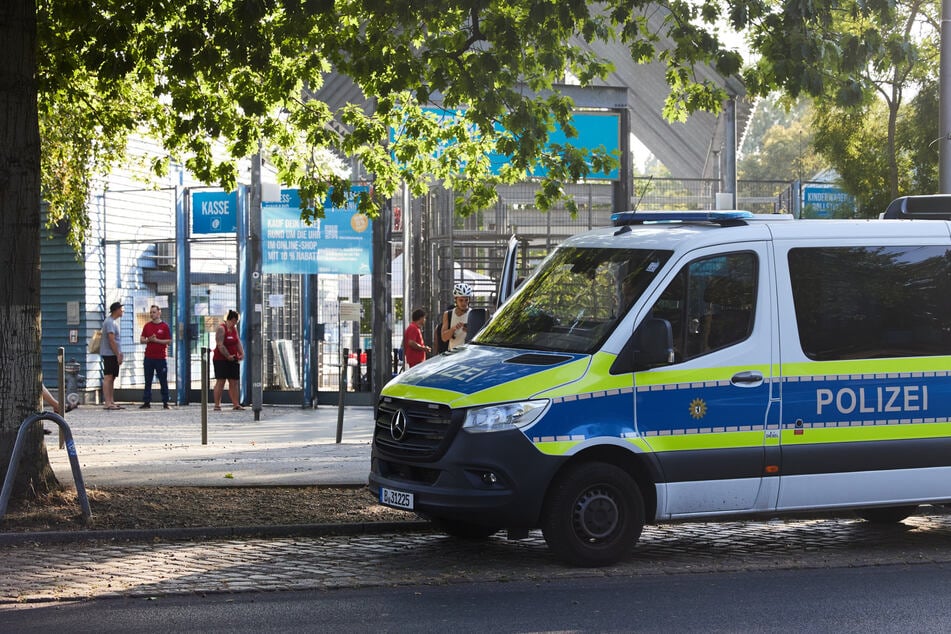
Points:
x=688, y=150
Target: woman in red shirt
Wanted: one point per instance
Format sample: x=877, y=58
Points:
x=227, y=358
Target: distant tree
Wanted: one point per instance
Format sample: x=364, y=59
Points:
x=918, y=133
x=853, y=140
x=881, y=58
x=652, y=167
x=778, y=144
x=774, y=109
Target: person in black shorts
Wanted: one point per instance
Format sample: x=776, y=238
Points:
x=227, y=360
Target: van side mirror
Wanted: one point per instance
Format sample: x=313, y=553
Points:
x=653, y=344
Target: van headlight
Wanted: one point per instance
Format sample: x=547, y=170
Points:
x=505, y=416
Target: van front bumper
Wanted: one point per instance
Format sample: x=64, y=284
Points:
x=492, y=479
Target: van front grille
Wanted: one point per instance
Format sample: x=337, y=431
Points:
x=411, y=429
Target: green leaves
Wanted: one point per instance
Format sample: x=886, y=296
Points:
x=195, y=73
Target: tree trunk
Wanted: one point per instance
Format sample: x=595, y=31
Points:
x=20, y=247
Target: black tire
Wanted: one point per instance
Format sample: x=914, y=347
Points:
x=464, y=530
x=887, y=514
x=593, y=515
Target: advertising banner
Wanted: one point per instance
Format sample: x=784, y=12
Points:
x=820, y=200
x=340, y=242
x=595, y=130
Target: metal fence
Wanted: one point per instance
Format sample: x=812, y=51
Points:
x=453, y=249
x=135, y=263
x=132, y=259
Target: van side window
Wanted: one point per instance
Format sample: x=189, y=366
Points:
x=872, y=302
x=710, y=304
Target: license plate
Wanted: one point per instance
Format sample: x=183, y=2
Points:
x=396, y=499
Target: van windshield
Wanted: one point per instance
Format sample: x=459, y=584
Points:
x=574, y=300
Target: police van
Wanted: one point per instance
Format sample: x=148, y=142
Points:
x=688, y=365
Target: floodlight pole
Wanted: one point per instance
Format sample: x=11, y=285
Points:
x=944, y=101
x=256, y=317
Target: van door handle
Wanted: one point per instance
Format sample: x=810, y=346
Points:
x=749, y=378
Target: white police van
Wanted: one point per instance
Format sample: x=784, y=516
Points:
x=688, y=365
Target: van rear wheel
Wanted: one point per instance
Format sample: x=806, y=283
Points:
x=593, y=515
x=887, y=514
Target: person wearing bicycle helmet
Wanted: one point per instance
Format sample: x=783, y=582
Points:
x=455, y=321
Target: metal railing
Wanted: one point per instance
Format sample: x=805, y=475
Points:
x=67, y=435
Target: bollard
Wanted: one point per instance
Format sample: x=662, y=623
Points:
x=368, y=385
x=344, y=367
x=204, y=395
x=61, y=394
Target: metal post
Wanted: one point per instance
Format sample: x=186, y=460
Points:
x=381, y=292
x=729, y=147
x=255, y=365
x=344, y=366
x=944, y=101
x=307, y=343
x=204, y=395
x=312, y=376
x=183, y=331
x=622, y=193
x=61, y=393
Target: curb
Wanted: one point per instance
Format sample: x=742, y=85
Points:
x=223, y=532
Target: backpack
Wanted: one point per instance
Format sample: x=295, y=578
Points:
x=440, y=346
x=477, y=319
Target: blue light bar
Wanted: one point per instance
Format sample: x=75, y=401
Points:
x=717, y=217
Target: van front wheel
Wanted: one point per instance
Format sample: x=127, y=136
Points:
x=593, y=515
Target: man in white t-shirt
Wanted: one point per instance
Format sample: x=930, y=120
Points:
x=111, y=352
x=455, y=321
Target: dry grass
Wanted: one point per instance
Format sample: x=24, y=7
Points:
x=185, y=507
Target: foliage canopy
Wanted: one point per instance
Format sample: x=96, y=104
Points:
x=194, y=73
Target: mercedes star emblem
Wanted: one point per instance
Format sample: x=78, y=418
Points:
x=398, y=425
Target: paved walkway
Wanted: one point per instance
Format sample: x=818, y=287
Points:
x=287, y=446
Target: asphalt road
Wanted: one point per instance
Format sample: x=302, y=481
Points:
x=899, y=598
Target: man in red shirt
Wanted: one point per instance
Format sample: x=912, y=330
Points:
x=156, y=335
x=414, y=348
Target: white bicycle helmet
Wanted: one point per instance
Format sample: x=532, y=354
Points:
x=461, y=289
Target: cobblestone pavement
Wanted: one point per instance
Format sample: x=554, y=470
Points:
x=36, y=572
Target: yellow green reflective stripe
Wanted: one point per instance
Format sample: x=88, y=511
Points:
x=562, y=447
x=556, y=447
x=705, y=440
x=846, y=432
